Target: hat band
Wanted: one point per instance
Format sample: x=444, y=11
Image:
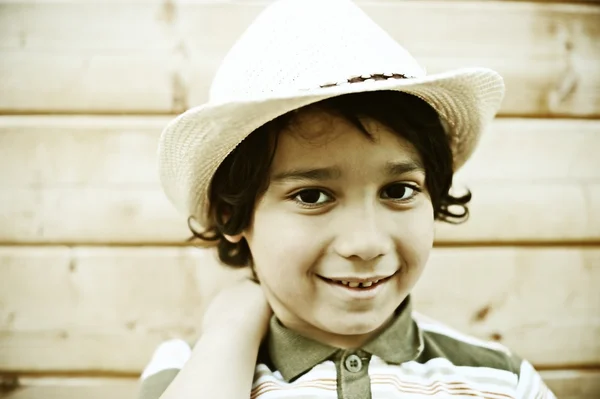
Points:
x=369, y=78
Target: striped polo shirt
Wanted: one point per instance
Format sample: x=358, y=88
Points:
x=413, y=357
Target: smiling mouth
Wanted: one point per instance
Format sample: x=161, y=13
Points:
x=363, y=284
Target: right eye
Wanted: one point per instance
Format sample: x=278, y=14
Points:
x=311, y=197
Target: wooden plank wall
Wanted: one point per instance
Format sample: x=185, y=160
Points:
x=94, y=268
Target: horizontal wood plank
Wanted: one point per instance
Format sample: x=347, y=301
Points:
x=501, y=213
x=94, y=180
x=69, y=388
x=106, y=309
x=100, y=309
x=573, y=384
x=565, y=384
x=159, y=56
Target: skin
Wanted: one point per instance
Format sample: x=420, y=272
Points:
x=352, y=218
x=231, y=356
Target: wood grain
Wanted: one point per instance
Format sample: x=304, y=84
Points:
x=93, y=180
x=106, y=309
x=159, y=56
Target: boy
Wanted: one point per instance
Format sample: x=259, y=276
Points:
x=321, y=163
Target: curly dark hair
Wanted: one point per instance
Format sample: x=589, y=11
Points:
x=243, y=176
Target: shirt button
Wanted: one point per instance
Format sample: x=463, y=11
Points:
x=353, y=364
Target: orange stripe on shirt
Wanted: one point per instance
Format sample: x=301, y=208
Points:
x=436, y=387
x=450, y=388
x=270, y=386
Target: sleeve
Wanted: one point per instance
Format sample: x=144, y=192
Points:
x=167, y=360
x=530, y=384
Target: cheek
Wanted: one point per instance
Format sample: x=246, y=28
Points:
x=415, y=239
x=282, y=244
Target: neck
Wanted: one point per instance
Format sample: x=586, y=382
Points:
x=342, y=341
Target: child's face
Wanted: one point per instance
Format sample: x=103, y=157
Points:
x=340, y=206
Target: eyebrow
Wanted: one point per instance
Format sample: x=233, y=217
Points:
x=400, y=168
x=392, y=169
x=319, y=174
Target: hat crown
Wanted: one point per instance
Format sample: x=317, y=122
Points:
x=296, y=45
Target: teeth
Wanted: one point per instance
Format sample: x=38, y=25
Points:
x=355, y=284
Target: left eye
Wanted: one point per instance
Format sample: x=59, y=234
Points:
x=399, y=192
x=312, y=197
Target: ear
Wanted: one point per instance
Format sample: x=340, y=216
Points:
x=233, y=239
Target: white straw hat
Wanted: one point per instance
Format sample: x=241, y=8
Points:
x=298, y=52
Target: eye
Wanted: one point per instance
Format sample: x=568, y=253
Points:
x=398, y=191
x=312, y=197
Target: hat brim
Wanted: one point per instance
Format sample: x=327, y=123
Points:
x=194, y=144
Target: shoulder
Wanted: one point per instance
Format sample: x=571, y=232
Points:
x=468, y=358
x=166, y=362
x=442, y=341
x=168, y=358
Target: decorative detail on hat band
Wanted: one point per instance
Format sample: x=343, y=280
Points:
x=369, y=77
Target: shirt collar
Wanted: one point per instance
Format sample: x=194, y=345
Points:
x=293, y=354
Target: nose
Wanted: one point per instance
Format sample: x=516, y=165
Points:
x=363, y=236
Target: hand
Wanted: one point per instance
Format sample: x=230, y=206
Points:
x=241, y=306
